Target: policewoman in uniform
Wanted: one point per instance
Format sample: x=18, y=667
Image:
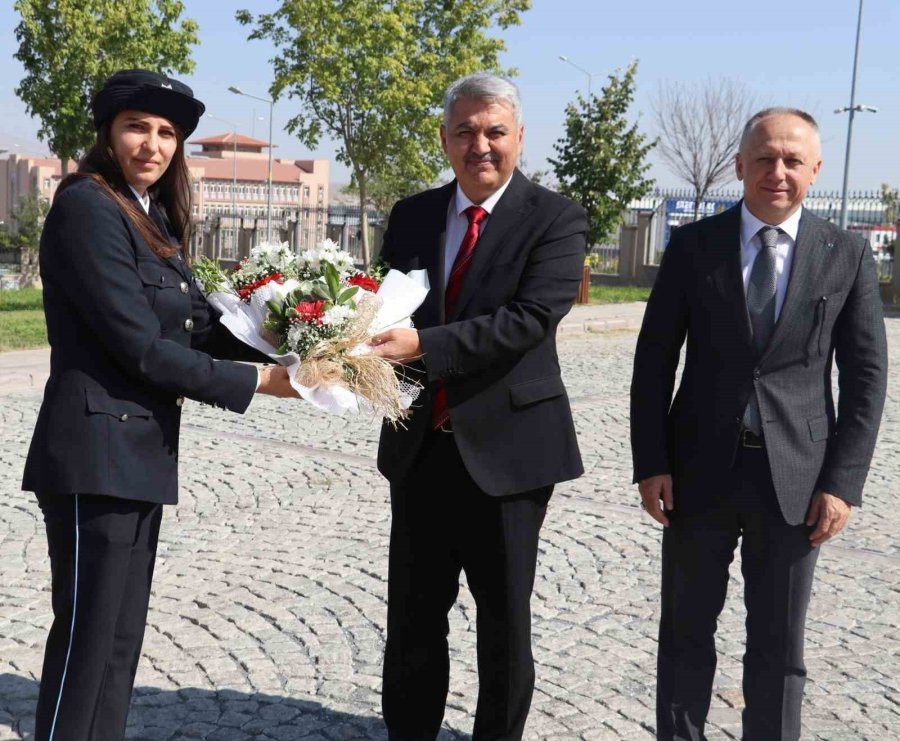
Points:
x=131, y=337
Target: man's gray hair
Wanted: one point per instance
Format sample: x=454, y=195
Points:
x=776, y=111
x=483, y=86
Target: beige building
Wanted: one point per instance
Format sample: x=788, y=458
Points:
x=230, y=191
x=21, y=176
x=230, y=174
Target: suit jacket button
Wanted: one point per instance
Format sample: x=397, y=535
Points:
x=184, y=287
x=188, y=324
x=123, y=418
x=179, y=401
x=757, y=375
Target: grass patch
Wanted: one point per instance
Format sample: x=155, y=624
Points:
x=618, y=294
x=20, y=330
x=24, y=299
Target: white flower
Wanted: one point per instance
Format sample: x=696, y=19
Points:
x=337, y=315
x=309, y=259
x=295, y=335
x=326, y=251
x=276, y=255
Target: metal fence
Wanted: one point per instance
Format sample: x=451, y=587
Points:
x=666, y=209
x=230, y=237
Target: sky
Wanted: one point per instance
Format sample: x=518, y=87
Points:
x=787, y=52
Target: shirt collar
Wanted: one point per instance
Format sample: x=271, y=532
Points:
x=463, y=202
x=750, y=225
x=144, y=200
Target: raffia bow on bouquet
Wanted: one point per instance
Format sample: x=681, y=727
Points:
x=315, y=313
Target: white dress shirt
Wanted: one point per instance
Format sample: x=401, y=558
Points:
x=784, y=250
x=144, y=200
x=458, y=223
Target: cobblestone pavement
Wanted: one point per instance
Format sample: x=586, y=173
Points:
x=268, y=613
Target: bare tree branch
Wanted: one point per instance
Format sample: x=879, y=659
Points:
x=699, y=131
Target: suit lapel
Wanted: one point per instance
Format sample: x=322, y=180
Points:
x=431, y=257
x=159, y=218
x=808, y=260
x=726, y=241
x=506, y=215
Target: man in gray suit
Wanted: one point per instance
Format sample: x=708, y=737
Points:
x=768, y=296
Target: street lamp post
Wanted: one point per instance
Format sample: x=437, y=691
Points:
x=233, y=175
x=852, y=109
x=271, y=102
x=590, y=75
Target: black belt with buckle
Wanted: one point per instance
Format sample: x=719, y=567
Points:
x=751, y=440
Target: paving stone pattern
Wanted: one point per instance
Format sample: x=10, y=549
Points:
x=268, y=613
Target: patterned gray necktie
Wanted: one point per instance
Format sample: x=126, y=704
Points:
x=761, y=308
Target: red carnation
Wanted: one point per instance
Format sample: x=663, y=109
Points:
x=248, y=290
x=366, y=282
x=310, y=312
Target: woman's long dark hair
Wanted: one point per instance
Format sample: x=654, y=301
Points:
x=172, y=192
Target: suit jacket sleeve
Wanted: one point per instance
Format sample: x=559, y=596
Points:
x=88, y=248
x=861, y=355
x=655, y=362
x=546, y=291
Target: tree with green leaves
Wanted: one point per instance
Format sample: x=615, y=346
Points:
x=27, y=221
x=601, y=162
x=371, y=76
x=69, y=47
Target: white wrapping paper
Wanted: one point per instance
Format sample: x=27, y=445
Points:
x=399, y=296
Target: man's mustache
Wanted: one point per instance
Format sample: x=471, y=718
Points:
x=484, y=158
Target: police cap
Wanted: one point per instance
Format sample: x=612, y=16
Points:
x=150, y=92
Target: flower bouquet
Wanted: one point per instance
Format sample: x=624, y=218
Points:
x=314, y=313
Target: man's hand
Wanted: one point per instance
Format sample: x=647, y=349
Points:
x=397, y=345
x=654, y=490
x=829, y=514
x=273, y=380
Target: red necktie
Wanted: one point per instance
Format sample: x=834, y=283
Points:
x=475, y=214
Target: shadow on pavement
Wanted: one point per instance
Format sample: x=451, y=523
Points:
x=223, y=715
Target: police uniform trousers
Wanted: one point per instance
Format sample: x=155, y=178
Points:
x=442, y=523
x=777, y=564
x=102, y=550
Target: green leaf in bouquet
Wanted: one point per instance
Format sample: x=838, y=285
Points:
x=322, y=292
x=210, y=274
x=333, y=279
x=347, y=294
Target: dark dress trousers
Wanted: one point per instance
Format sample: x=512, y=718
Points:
x=129, y=335
x=474, y=499
x=724, y=491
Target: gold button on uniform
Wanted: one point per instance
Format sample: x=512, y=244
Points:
x=184, y=287
x=188, y=324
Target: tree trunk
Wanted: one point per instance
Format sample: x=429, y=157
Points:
x=698, y=199
x=64, y=163
x=363, y=221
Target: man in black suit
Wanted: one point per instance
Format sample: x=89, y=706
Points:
x=768, y=296
x=473, y=468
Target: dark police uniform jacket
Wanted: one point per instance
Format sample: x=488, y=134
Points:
x=130, y=337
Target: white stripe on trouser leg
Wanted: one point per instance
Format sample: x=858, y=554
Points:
x=62, y=682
